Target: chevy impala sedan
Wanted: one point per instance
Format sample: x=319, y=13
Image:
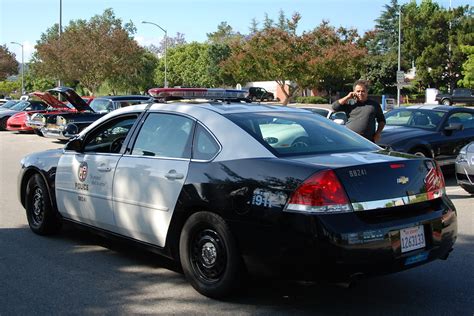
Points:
x=205, y=180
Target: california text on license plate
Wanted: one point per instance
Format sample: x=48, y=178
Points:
x=412, y=238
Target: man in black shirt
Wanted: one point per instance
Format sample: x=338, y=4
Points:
x=361, y=112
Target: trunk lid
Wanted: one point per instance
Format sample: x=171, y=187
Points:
x=375, y=180
x=73, y=98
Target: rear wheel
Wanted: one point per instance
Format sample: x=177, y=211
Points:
x=446, y=102
x=3, y=124
x=209, y=255
x=43, y=219
x=301, y=142
x=468, y=188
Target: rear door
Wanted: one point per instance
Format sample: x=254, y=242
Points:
x=148, y=181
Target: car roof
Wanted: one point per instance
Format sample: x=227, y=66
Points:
x=436, y=107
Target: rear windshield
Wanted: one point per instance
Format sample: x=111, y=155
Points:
x=292, y=134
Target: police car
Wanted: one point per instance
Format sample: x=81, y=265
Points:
x=226, y=187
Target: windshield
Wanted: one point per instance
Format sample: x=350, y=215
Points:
x=9, y=104
x=292, y=134
x=425, y=119
x=20, y=106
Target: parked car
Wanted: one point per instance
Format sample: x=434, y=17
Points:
x=458, y=96
x=465, y=168
x=19, y=121
x=27, y=106
x=260, y=94
x=64, y=126
x=435, y=131
x=202, y=183
x=337, y=117
x=9, y=104
x=37, y=121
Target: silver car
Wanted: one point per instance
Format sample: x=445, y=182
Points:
x=465, y=168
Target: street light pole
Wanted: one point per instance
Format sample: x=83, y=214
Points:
x=166, y=48
x=399, y=40
x=22, y=68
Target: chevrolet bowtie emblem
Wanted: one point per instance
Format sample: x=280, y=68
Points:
x=403, y=180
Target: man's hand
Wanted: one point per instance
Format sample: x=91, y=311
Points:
x=377, y=137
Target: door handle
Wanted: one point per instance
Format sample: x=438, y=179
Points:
x=104, y=168
x=173, y=175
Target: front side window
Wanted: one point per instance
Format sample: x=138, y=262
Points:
x=164, y=135
x=109, y=137
x=289, y=134
x=414, y=118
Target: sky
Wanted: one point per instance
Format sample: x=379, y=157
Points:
x=24, y=21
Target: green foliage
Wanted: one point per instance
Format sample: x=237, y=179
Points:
x=92, y=52
x=468, y=67
x=10, y=88
x=311, y=100
x=8, y=63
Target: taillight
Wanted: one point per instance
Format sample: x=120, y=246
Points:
x=434, y=182
x=321, y=193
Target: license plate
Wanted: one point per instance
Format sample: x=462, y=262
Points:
x=412, y=238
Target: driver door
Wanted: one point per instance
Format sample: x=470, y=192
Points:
x=84, y=179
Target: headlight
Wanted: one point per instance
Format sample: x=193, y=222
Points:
x=60, y=121
x=462, y=157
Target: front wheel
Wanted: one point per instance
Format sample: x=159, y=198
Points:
x=43, y=219
x=421, y=152
x=209, y=255
x=3, y=124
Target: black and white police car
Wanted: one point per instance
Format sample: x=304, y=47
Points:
x=226, y=187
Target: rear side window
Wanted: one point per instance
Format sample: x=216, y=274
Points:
x=164, y=135
x=290, y=134
x=205, y=146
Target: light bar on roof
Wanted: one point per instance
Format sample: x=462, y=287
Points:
x=198, y=93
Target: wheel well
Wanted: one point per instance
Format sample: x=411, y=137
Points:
x=421, y=148
x=24, y=182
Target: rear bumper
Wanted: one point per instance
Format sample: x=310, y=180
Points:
x=338, y=246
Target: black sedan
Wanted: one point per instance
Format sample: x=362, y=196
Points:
x=435, y=131
x=227, y=187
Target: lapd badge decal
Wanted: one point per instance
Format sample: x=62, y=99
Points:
x=82, y=173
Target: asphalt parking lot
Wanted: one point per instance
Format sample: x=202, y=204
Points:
x=77, y=272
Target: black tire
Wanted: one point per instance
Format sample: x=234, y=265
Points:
x=446, y=102
x=38, y=132
x=468, y=188
x=3, y=123
x=209, y=255
x=253, y=98
x=43, y=219
x=422, y=152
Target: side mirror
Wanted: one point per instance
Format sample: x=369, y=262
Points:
x=339, y=121
x=454, y=127
x=74, y=144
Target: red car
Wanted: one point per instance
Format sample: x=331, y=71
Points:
x=18, y=122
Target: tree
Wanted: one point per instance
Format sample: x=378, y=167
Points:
x=92, y=52
x=335, y=58
x=171, y=42
x=8, y=63
x=273, y=53
x=432, y=37
x=468, y=67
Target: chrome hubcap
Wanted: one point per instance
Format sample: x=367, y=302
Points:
x=209, y=254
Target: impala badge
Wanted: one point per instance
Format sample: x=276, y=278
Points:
x=403, y=180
